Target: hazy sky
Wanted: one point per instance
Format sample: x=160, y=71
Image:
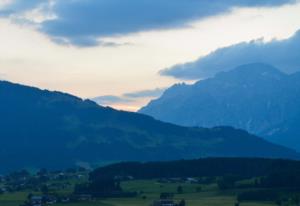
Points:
x=115, y=48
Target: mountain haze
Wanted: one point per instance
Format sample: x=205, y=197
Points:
x=255, y=97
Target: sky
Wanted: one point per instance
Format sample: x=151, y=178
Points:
x=125, y=52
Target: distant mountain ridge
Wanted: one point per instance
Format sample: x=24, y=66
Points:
x=39, y=128
x=255, y=97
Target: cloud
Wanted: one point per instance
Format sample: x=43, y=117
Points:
x=146, y=93
x=29, y=12
x=82, y=22
x=129, y=97
x=21, y=5
x=283, y=54
x=110, y=99
x=86, y=42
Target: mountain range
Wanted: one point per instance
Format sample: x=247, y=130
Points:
x=255, y=97
x=41, y=128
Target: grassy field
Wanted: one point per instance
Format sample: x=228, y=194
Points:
x=13, y=199
x=209, y=196
x=150, y=190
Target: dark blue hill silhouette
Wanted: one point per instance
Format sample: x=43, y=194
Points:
x=39, y=128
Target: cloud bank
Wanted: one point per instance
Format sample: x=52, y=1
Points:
x=129, y=97
x=145, y=93
x=283, y=54
x=110, y=99
x=83, y=22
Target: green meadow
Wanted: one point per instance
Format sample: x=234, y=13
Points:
x=150, y=190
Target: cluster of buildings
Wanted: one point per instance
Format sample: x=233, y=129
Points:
x=46, y=200
x=167, y=202
x=164, y=203
x=43, y=200
x=40, y=200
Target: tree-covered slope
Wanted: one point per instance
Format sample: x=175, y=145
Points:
x=40, y=128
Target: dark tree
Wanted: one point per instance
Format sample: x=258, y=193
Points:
x=278, y=202
x=296, y=200
x=199, y=189
x=182, y=203
x=29, y=196
x=45, y=189
x=179, y=189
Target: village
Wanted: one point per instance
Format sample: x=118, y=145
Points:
x=44, y=188
x=57, y=187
